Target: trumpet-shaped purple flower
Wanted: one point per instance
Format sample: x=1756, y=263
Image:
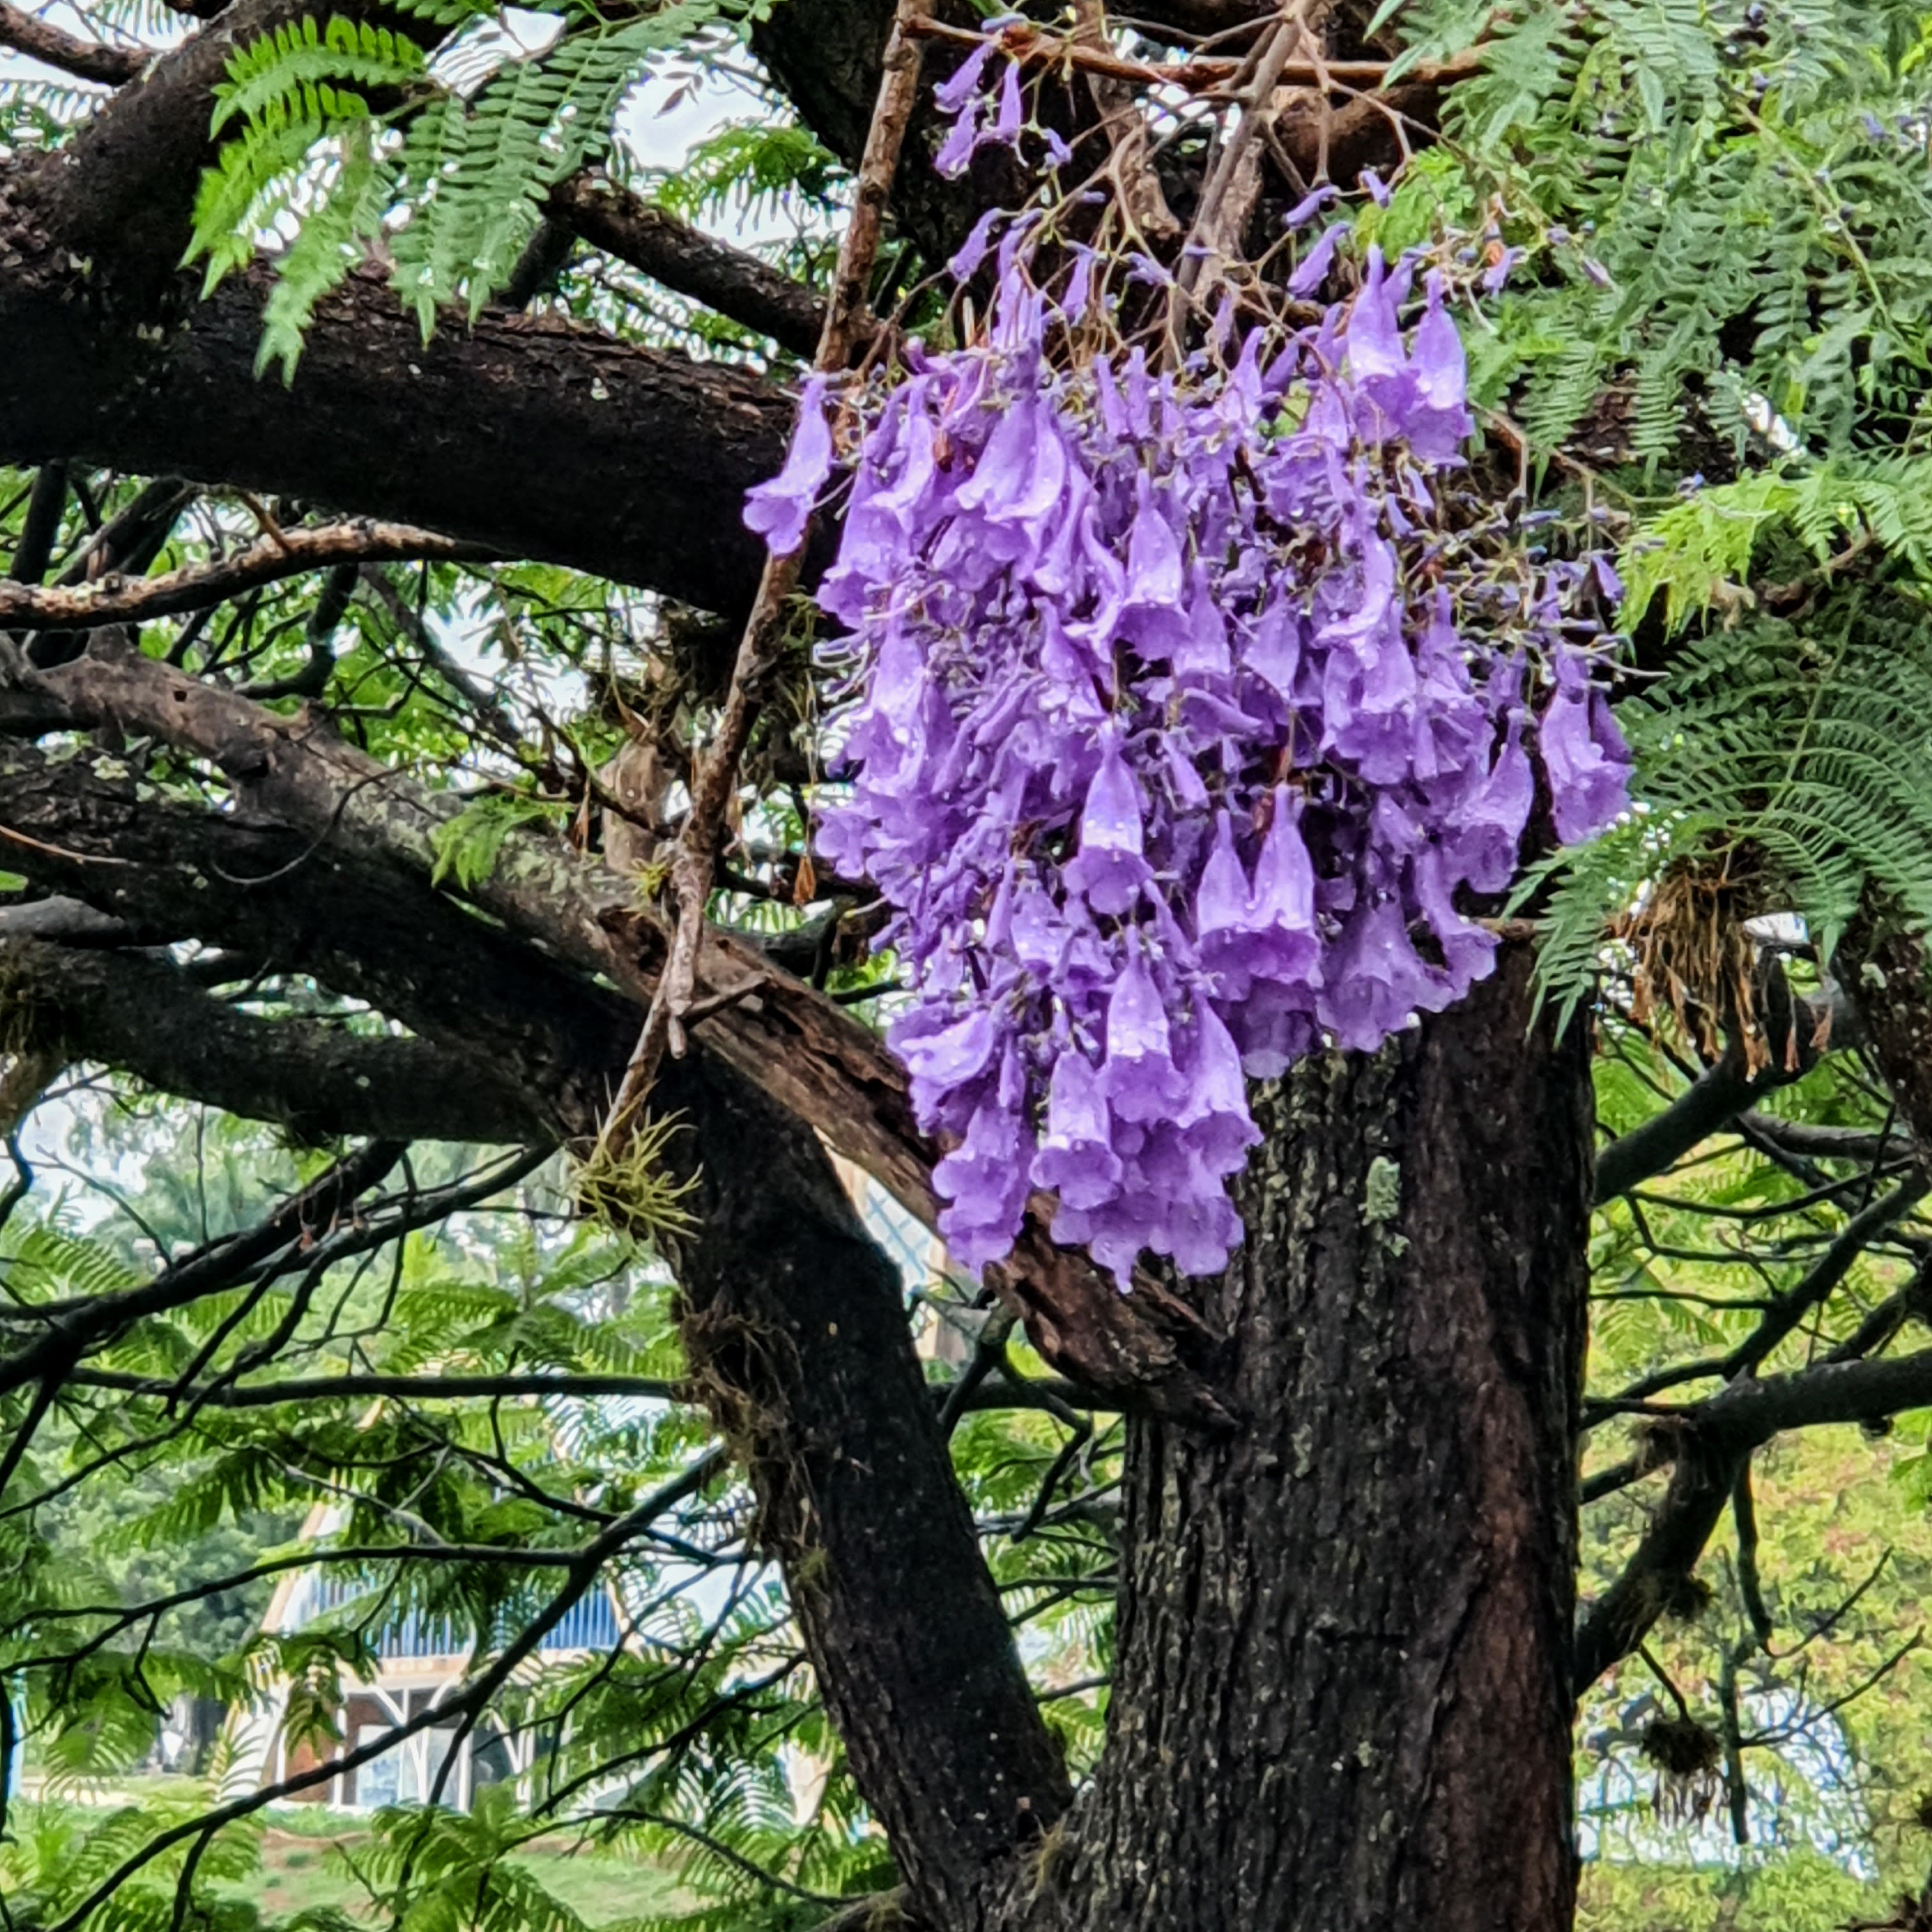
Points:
x=1584, y=756
x=1187, y=725
x=1109, y=869
x=1076, y=1158
x=780, y=511
x=1140, y=1079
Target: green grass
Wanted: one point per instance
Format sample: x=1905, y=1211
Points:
x=306, y=1868
x=307, y=1850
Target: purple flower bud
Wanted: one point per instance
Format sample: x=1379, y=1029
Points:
x=1012, y=108
x=984, y=1182
x=1376, y=981
x=1213, y=1121
x=950, y=1055
x=1374, y=341
x=1310, y=205
x=956, y=152
x=1584, y=756
x=974, y=250
x=1498, y=270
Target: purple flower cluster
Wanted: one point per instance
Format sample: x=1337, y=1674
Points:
x=1188, y=711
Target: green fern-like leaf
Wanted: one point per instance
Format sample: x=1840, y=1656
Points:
x=285, y=73
x=1697, y=552
x=1809, y=744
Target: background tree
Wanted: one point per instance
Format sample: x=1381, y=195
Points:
x=308, y=764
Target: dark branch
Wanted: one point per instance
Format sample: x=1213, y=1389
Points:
x=1713, y=1443
x=145, y=1016
x=87, y=60
x=1701, y=1483
x=1722, y=1092
x=736, y=284
x=77, y=1326
x=1712, y=1102
x=282, y=902
x=811, y=1370
x=528, y=437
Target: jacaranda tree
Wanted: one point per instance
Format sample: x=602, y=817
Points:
x=1280, y=651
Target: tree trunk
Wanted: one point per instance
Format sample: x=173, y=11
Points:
x=1342, y=1703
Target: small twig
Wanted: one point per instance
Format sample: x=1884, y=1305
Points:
x=1744, y=1513
x=1131, y=166
x=1070, y=1452
x=1229, y=194
x=60, y=851
x=1662, y=1676
x=729, y=996
x=1035, y=48
x=988, y=1354
x=115, y=600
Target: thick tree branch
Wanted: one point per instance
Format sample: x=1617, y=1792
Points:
x=1701, y=1481
x=801, y=1048
x=1708, y=1105
x=528, y=436
x=1796, y=1028
x=145, y=1017
x=94, y=232
x=1749, y=1414
x=809, y=1369
x=280, y=902
x=1712, y=1443
x=87, y=60
x=117, y=600
x=736, y=284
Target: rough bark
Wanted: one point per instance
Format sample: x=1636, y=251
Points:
x=797, y=1332
x=116, y=599
x=1342, y=1699
x=1884, y=969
